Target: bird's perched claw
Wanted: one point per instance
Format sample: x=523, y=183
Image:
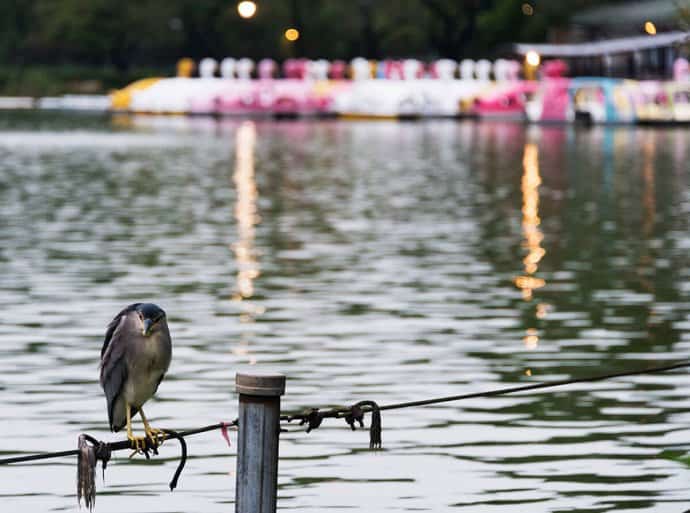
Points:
x=138, y=444
x=143, y=444
x=156, y=436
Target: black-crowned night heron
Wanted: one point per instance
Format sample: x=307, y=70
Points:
x=135, y=356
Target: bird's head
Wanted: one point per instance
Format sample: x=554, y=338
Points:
x=151, y=316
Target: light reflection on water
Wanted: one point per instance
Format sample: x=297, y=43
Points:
x=365, y=260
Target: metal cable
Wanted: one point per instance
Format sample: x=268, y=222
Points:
x=313, y=417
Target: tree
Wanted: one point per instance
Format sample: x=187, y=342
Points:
x=158, y=32
x=100, y=31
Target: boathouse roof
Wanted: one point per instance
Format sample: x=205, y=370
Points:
x=608, y=47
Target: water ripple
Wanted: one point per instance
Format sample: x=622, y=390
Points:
x=390, y=261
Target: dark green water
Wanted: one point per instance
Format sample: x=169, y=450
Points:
x=384, y=261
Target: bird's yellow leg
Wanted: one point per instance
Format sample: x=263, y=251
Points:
x=156, y=435
x=138, y=442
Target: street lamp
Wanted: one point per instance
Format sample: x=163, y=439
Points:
x=292, y=34
x=246, y=9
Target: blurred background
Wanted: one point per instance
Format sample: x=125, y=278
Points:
x=90, y=46
x=380, y=247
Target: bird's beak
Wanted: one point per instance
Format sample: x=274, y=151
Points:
x=148, y=324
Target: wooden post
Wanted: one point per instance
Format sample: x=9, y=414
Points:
x=257, y=441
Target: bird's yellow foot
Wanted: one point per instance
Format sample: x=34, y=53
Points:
x=138, y=444
x=156, y=436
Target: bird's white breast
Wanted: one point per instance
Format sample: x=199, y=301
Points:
x=146, y=370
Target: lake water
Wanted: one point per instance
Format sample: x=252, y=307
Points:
x=365, y=260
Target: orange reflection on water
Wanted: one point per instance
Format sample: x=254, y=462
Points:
x=245, y=213
x=530, y=223
x=542, y=310
x=531, y=339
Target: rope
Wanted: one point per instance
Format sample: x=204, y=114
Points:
x=114, y=446
x=90, y=451
x=313, y=417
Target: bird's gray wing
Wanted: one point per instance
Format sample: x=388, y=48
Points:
x=113, y=366
x=112, y=326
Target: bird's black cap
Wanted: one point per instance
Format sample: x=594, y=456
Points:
x=149, y=310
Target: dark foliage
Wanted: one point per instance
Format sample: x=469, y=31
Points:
x=155, y=33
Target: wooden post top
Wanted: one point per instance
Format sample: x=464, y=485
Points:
x=261, y=384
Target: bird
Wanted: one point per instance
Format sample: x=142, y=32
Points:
x=135, y=356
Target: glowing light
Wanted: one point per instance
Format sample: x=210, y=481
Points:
x=246, y=9
x=531, y=339
x=650, y=28
x=527, y=9
x=532, y=58
x=246, y=217
x=530, y=223
x=528, y=284
x=542, y=309
x=292, y=34
x=528, y=372
x=245, y=213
